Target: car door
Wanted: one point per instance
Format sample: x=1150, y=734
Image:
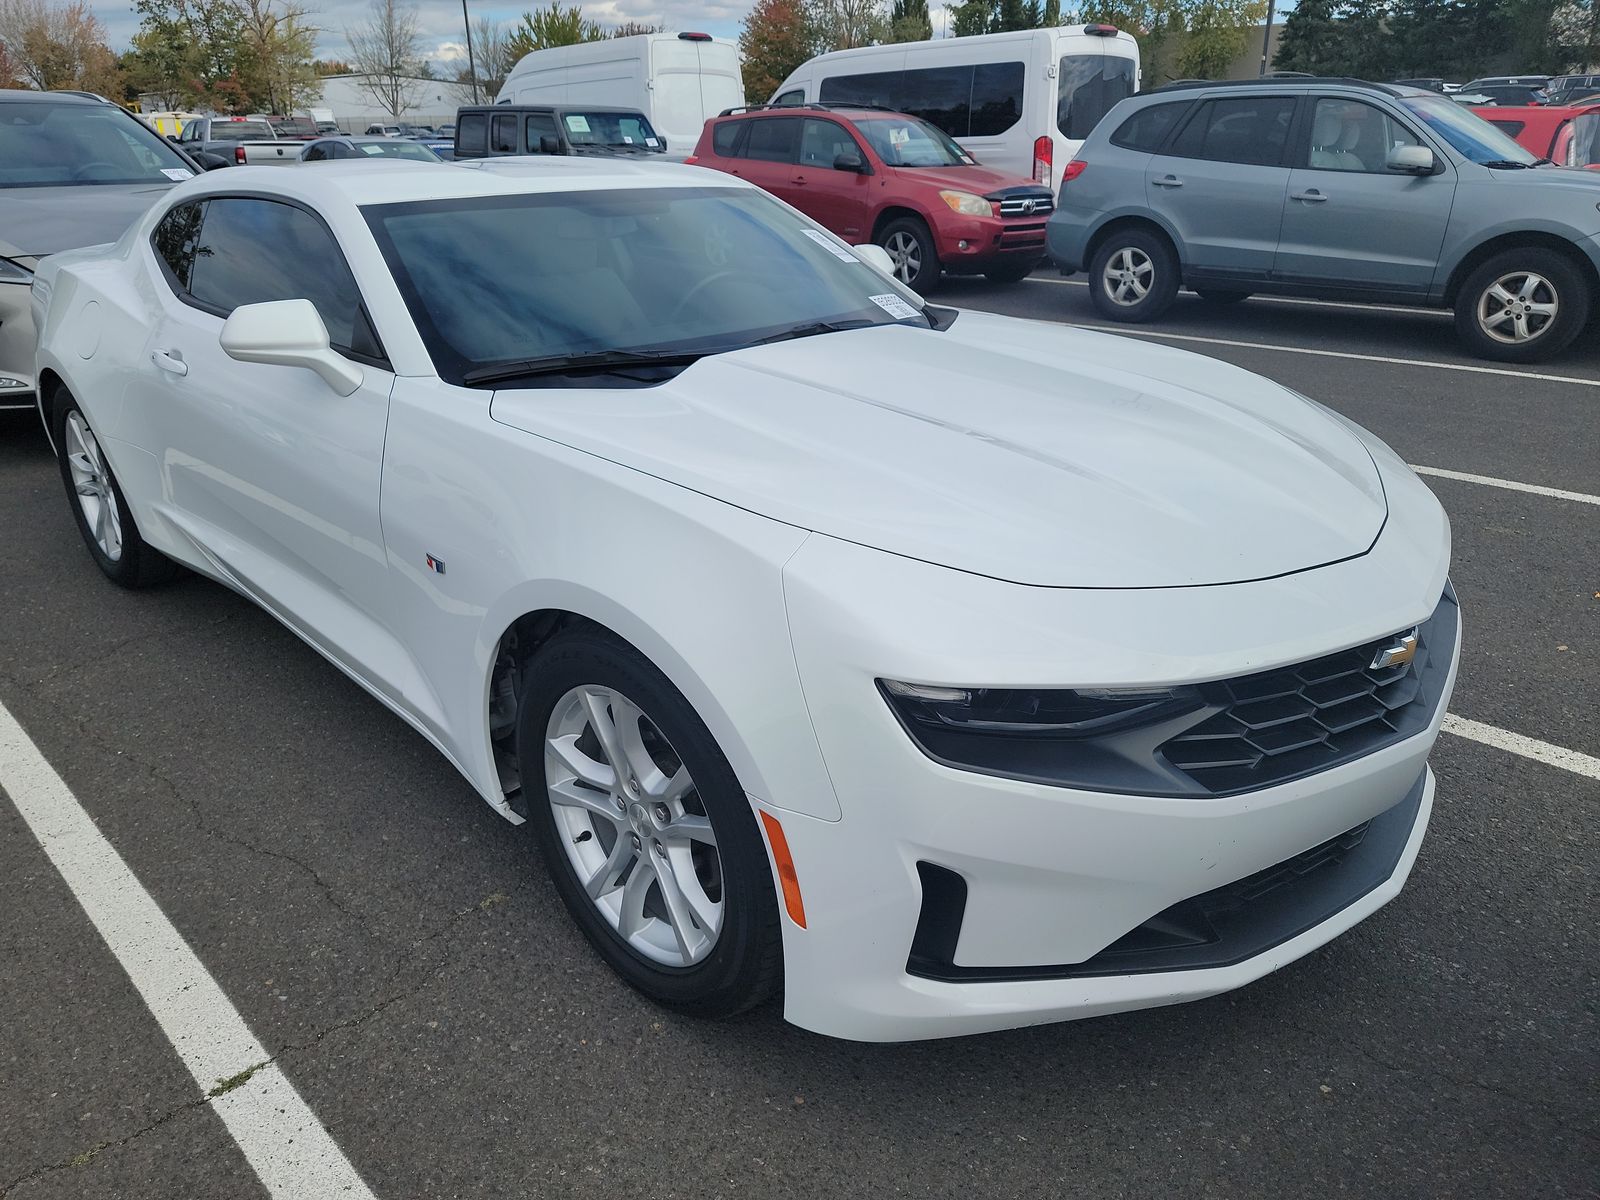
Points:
x=840, y=201
x=271, y=475
x=767, y=158
x=1351, y=221
x=1220, y=183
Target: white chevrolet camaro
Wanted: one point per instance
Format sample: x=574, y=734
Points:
x=945, y=671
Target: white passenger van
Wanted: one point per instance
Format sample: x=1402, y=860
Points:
x=676, y=79
x=1020, y=102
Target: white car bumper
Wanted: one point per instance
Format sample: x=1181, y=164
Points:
x=16, y=347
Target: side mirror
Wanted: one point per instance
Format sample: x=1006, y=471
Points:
x=288, y=333
x=173, y=138
x=875, y=256
x=849, y=161
x=549, y=145
x=1411, y=160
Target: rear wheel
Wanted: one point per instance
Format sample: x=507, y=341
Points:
x=910, y=244
x=1522, y=305
x=1133, y=276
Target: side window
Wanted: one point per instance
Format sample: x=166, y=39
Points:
x=1349, y=135
x=315, y=154
x=824, y=141
x=773, y=139
x=175, y=241
x=793, y=96
x=996, y=97
x=1147, y=129
x=540, y=125
x=472, y=133
x=725, y=138
x=940, y=95
x=1252, y=129
x=250, y=251
x=880, y=88
x=503, y=134
x=1088, y=86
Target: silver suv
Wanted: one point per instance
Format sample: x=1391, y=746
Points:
x=1336, y=189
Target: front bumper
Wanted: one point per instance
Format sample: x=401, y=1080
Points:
x=16, y=347
x=974, y=244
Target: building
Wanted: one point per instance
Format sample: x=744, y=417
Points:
x=354, y=106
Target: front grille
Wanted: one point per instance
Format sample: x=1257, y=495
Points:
x=1027, y=206
x=1281, y=724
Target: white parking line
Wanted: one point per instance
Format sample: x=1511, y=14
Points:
x=1527, y=747
x=285, y=1144
x=1510, y=484
x=1392, y=308
x=1126, y=331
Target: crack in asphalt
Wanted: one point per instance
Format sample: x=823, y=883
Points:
x=84, y=1157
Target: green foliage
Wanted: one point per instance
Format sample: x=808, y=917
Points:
x=1218, y=31
x=971, y=17
x=909, y=21
x=553, y=25
x=777, y=37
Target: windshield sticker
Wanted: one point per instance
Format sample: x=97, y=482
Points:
x=626, y=140
x=651, y=142
x=577, y=123
x=370, y=149
x=894, y=306
x=831, y=246
x=177, y=174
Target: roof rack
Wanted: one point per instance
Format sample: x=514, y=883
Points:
x=1280, y=81
x=824, y=105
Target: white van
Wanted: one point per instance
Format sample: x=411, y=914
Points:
x=1020, y=102
x=677, y=80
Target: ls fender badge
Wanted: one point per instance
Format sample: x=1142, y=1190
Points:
x=436, y=565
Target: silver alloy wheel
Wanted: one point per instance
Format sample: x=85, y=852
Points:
x=1127, y=276
x=907, y=255
x=633, y=825
x=91, y=479
x=1518, y=307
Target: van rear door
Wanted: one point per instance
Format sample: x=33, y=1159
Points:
x=1093, y=74
x=690, y=81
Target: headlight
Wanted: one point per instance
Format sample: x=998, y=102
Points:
x=968, y=204
x=11, y=272
x=1022, y=712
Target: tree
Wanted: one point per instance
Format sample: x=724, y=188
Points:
x=553, y=25
x=277, y=45
x=1218, y=33
x=1052, y=14
x=190, y=51
x=50, y=46
x=909, y=21
x=971, y=17
x=846, y=24
x=776, y=38
x=385, y=53
x=332, y=66
x=634, y=28
x=1310, y=40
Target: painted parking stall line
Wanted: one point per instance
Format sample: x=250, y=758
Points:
x=285, y=1144
x=1533, y=489
x=1526, y=747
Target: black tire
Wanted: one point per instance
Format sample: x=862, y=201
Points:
x=1010, y=272
x=1145, y=249
x=745, y=965
x=926, y=255
x=136, y=564
x=1213, y=296
x=1560, y=281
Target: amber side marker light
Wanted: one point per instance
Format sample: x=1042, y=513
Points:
x=789, y=881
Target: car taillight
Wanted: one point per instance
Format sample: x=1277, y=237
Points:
x=1101, y=30
x=1072, y=170
x=238, y=155
x=1043, y=154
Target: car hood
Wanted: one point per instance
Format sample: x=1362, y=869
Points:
x=1006, y=448
x=40, y=221
x=978, y=180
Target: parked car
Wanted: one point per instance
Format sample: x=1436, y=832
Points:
x=383, y=131
x=447, y=130
x=1512, y=95
x=73, y=172
x=238, y=141
x=1532, y=81
x=1578, y=145
x=889, y=179
x=1335, y=189
x=1019, y=102
x=677, y=80
x=329, y=149
x=937, y=753
x=492, y=131
x=1563, y=88
x=1542, y=131
x=1431, y=85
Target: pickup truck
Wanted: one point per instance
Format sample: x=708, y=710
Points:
x=238, y=142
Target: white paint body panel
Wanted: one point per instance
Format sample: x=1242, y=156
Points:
x=776, y=528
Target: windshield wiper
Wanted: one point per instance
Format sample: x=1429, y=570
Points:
x=1506, y=164
x=570, y=364
x=812, y=328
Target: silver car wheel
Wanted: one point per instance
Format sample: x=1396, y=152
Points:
x=907, y=255
x=1518, y=307
x=633, y=826
x=1127, y=276
x=91, y=479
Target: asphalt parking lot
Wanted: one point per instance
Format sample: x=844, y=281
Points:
x=396, y=949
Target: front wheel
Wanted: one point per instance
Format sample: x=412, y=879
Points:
x=1133, y=276
x=910, y=245
x=1522, y=305
x=644, y=828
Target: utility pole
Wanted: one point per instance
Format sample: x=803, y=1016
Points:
x=472, y=62
x=1266, y=38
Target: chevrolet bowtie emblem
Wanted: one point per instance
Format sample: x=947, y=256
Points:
x=1401, y=652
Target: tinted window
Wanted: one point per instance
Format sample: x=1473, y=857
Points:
x=774, y=139
x=996, y=98
x=1248, y=130
x=503, y=134
x=315, y=154
x=1147, y=129
x=472, y=133
x=250, y=251
x=824, y=141
x=175, y=240
x=539, y=126
x=942, y=95
x=797, y=96
x=725, y=136
x=1087, y=88
x=241, y=131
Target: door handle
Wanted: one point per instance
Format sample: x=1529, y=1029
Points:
x=169, y=361
x=1311, y=197
x=1170, y=181
x=798, y=181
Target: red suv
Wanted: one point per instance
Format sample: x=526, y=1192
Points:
x=870, y=175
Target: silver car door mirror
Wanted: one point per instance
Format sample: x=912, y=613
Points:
x=1411, y=160
x=288, y=333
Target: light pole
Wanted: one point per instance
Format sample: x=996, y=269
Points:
x=472, y=63
x=1266, y=38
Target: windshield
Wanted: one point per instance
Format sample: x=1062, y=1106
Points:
x=390, y=148
x=48, y=144
x=908, y=142
x=240, y=131
x=1467, y=132
x=502, y=279
x=611, y=129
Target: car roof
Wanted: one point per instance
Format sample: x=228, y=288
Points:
x=1295, y=83
x=8, y=95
